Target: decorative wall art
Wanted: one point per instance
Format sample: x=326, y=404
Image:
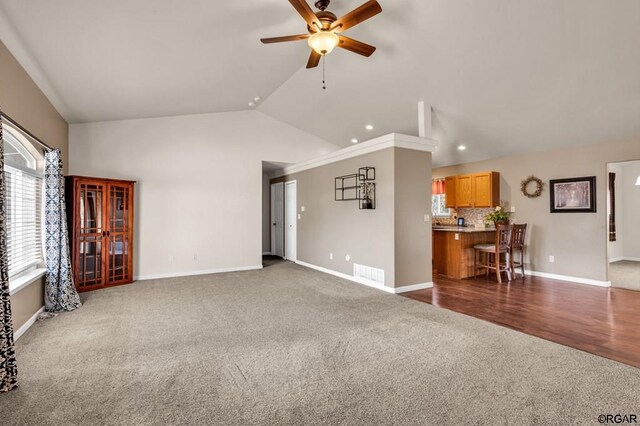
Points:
x=532, y=187
x=574, y=195
x=358, y=186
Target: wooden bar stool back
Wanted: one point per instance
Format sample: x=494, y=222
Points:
x=493, y=258
x=518, y=236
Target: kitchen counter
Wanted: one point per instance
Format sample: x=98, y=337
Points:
x=453, y=251
x=464, y=229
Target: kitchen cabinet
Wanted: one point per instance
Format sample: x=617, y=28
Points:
x=477, y=190
x=450, y=191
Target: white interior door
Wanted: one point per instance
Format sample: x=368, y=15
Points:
x=277, y=219
x=290, y=220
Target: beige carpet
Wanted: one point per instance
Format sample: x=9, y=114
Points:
x=625, y=274
x=288, y=345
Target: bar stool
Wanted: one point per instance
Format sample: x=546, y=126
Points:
x=518, y=234
x=492, y=259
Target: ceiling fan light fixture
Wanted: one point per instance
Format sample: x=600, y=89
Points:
x=323, y=42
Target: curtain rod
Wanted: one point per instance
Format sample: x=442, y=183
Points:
x=22, y=129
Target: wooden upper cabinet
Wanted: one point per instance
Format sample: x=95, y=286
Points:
x=473, y=190
x=486, y=188
x=464, y=191
x=450, y=191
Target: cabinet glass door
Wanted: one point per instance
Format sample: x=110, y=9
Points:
x=118, y=261
x=90, y=235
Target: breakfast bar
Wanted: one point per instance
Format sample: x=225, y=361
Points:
x=453, y=249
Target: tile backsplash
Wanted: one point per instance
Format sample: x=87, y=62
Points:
x=472, y=217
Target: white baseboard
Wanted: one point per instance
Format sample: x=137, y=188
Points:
x=193, y=273
x=267, y=253
x=366, y=282
x=24, y=327
x=568, y=278
x=616, y=259
x=632, y=259
x=413, y=287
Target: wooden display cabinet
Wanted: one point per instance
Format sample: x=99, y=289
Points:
x=100, y=217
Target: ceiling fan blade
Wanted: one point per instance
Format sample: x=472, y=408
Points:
x=356, y=46
x=284, y=38
x=360, y=14
x=307, y=14
x=314, y=59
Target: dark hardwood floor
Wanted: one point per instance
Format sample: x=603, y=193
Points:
x=602, y=321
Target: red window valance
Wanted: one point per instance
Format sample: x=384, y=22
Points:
x=437, y=186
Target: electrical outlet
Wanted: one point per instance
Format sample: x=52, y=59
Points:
x=299, y=216
x=302, y=208
x=513, y=209
x=330, y=256
x=552, y=259
x=426, y=218
x=457, y=236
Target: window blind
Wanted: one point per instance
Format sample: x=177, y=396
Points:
x=24, y=208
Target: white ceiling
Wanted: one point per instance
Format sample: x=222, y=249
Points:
x=503, y=76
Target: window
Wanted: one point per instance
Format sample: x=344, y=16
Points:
x=22, y=167
x=438, y=199
x=439, y=206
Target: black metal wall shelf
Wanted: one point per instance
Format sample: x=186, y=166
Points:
x=358, y=187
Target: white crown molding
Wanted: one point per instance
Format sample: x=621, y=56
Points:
x=9, y=36
x=392, y=140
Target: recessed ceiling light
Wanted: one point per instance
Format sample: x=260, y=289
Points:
x=462, y=148
x=368, y=127
x=257, y=99
x=251, y=104
x=354, y=140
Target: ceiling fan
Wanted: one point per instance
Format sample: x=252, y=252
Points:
x=325, y=29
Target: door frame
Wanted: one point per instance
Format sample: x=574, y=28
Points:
x=272, y=226
x=291, y=252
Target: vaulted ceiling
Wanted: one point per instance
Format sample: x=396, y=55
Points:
x=502, y=76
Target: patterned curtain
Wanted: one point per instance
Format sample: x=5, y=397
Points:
x=612, y=207
x=60, y=292
x=8, y=368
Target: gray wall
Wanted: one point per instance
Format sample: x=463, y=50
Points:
x=412, y=202
x=339, y=227
x=393, y=237
x=21, y=99
x=577, y=240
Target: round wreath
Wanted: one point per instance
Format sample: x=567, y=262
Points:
x=525, y=184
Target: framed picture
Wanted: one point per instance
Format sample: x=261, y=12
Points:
x=575, y=195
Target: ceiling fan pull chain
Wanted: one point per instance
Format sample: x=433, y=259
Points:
x=324, y=86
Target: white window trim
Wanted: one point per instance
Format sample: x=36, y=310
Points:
x=25, y=279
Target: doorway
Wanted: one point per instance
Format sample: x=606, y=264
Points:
x=291, y=220
x=623, y=207
x=277, y=219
